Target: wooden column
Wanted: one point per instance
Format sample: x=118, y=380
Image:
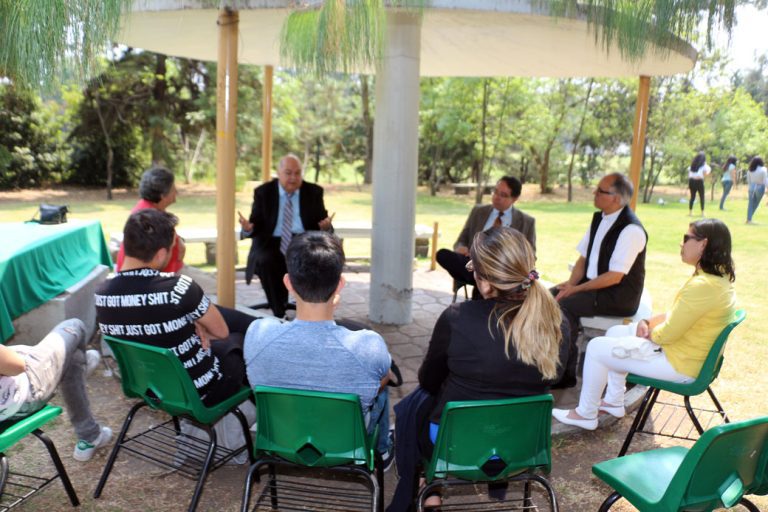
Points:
x=638, y=135
x=226, y=124
x=266, y=135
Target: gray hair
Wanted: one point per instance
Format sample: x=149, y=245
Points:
x=156, y=182
x=623, y=187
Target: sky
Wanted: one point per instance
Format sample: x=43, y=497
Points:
x=748, y=38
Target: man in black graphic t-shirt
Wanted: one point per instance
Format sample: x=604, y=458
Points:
x=145, y=305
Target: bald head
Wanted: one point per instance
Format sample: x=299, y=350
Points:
x=289, y=173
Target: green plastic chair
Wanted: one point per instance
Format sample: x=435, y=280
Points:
x=312, y=429
x=720, y=468
x=492, y=441
x=12, y=492
x=709, y=372
x=158, y=378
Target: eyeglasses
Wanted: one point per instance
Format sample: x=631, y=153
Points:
x=470, y=266
x=687, y=237
x=606, y=192
x=502, y=195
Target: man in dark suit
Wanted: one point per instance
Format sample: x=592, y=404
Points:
x=499, y=213
x=281, y=208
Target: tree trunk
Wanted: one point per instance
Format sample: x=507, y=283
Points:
x=577, y=138
x=158, y=97
x=317, y=160
x=368, y=127
x=483, y=144
x=108, y=143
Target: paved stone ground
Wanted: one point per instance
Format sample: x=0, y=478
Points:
x=407, y=343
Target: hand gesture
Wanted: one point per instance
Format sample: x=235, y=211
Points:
x=325, y=224
x=245, y=224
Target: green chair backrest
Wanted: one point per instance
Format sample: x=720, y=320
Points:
x=709, y=370
x=312, y=428
x=157, y=376
x=486, y=440
x=723, y=465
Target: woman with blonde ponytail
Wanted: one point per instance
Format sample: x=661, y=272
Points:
x=508, y=344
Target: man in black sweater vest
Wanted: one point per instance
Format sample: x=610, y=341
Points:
x=608, y=277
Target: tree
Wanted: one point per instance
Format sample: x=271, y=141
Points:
x=28, y=153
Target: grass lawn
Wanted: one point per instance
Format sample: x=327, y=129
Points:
x=559, y=227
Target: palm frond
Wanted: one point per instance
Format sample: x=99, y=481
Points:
x=40, y=41
x=338, y=35
x=638, y=25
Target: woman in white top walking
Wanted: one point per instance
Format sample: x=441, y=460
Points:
x=696, y=174
x=757, y=178
x=729, y=178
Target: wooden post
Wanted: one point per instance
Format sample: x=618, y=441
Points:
x=226, y=124
x=266, y=132
x=638, y=136
x=435, y=234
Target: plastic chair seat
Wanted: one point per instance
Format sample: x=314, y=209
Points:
x=492, y=441
x=13, y=431
x=726, y=463
x=313, y=430
x=631, y=475
x=157, y=377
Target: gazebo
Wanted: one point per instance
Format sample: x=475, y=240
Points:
x=447, y=38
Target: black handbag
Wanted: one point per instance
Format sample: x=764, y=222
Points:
x=52, y=214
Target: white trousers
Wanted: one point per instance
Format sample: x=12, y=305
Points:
x=603, y=370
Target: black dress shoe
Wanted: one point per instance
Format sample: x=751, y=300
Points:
x=565, y=383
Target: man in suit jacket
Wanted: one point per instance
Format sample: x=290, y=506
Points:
x=281, y=208
x=499, y=213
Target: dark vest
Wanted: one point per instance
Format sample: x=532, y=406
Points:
x=621, y=299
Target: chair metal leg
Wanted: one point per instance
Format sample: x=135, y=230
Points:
x=424, y=492
x=4, y=469
x=527, y=493
x=649, y=408
x=749, y=505
x=642, y=412
x=273, y=486
x=116, y=448
x=246, y=434
x=692, y=414
x=717, y=404
x=609, y=501
x=378, y=503
x=249, y=477
x=206, y=466
x=62, y=472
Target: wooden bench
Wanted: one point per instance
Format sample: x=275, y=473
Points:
x=463, y=189
x=208, y=236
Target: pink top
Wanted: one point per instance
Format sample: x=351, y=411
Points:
x=174, y=265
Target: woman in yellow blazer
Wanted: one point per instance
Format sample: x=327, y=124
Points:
x=671, y=346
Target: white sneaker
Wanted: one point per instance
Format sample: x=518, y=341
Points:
x=92, y=360
x=84, y=450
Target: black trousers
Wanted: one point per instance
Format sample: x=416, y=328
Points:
x=229, y=351
x=696, y=187
x=456, y=265
x=270, y=267
x=573, y=308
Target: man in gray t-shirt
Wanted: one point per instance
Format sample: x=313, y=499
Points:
x=314, y=353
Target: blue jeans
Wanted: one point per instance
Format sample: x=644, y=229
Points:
x=755, y=196
x=379, y=415
x=726, y=190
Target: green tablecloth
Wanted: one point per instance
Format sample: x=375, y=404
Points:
x=39, y=262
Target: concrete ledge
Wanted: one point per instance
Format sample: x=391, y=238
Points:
x=75, y=302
